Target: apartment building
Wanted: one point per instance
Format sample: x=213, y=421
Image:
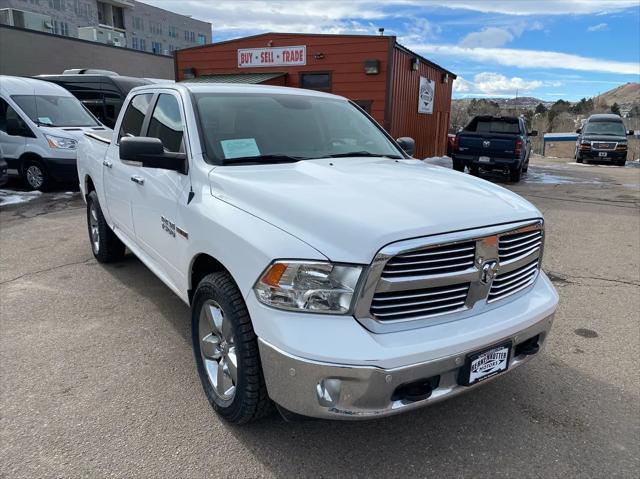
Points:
x=123, y=23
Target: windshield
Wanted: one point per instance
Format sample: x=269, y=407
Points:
x=51, y=110
x=607, y=128
x=264, y=126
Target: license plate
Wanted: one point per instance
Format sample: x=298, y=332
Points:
x=485, y=364
x=603, y=154
x=484, y=159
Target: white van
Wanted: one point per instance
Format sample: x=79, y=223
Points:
x=40, y=126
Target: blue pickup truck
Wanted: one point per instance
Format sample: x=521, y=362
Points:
x=497, y=143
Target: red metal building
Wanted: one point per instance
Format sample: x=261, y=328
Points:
x=406, y=93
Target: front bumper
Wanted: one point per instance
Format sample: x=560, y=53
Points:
x=610, y=155
x=335, y=391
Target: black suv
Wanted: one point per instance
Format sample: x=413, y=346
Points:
x=602, y=137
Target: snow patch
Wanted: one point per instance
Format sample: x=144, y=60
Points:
x=10, y=197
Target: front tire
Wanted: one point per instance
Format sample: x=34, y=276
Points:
x=105, y=245
x=226, y=351
x=36, y=176
x=458, y=165
x=578, y=157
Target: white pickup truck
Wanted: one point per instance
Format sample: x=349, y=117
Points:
x=328, y=272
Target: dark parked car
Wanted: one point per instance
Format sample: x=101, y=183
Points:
x=102, y=94
x=602, y=137
x=497, y=143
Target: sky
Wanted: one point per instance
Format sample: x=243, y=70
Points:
x=549, y=49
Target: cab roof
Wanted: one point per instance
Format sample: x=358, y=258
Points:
x=237, y=88
x=10, y=85
x=605, y=117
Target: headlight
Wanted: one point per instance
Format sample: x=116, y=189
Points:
x=310, y=286
x=62, y=143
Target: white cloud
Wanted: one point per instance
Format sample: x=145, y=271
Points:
x=491, y=83
x=528, y=58
x=488, y=38
x=535, y=7
x=598, y=28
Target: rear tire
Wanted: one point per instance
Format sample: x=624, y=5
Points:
x=105, y=245
x=226, y=351
x=515, y=173
x=458, y=165
x=36, y=176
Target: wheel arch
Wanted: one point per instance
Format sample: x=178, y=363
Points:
x=30, y=156
x=201, y=265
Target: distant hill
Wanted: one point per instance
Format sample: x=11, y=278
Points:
x=627, y=95
x=522, y=102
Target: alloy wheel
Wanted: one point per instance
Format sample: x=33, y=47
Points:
x=35, y=176
x=94, y=229
x=218, y=350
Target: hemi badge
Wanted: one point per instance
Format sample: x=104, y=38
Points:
x=182, y=232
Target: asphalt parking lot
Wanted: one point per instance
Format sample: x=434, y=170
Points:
x=98, y=378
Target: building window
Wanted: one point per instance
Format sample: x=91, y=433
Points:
x=173, y=32
x=143, y=45
x=64, y=29
x=134, y=43
x=189, y=36
x=364, y=104
x=202, y=39
x=155, y=28
x=56, y=4
x=156, y=47
x=137, y=23
x=316, y=81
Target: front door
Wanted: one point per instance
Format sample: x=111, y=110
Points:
x=12, y=141
x=158, y=192
x=118, y=176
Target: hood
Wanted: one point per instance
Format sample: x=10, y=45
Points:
x=594, y=137
x=349, y=208
x=73, y=132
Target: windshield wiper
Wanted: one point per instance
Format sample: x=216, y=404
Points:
x=362, y=153
x=264, y=159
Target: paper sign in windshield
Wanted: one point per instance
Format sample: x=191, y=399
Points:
x=239, y=148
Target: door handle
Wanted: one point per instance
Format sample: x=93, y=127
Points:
x=137, y=179
x=107, y=163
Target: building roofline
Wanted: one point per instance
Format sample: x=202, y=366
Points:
x=425, y=60
x=285, y=34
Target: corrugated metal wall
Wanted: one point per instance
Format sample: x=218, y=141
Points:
x=429, y=131
x=342, y=55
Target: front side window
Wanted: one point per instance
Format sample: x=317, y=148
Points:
x=304, y=127
x=10, y=118
x=51, y=110
x=166, y=123
x=606, y=128
x=134, y=116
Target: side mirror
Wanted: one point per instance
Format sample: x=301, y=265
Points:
x=630, y=132
x=578, y=130
x=407, y=144
x=150, y=152
x=16, y=128
x=533, y=133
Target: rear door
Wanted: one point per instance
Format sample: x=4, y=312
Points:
x=158, y=192
x=119, y=175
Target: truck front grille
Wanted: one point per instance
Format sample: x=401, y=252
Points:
x=516, y=245
x=604, y=145
x=506, y=284
x=419, y=302
x=431, y=261
x=424, y=281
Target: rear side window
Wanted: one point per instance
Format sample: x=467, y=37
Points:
x=166, y=123
x=134, y=116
